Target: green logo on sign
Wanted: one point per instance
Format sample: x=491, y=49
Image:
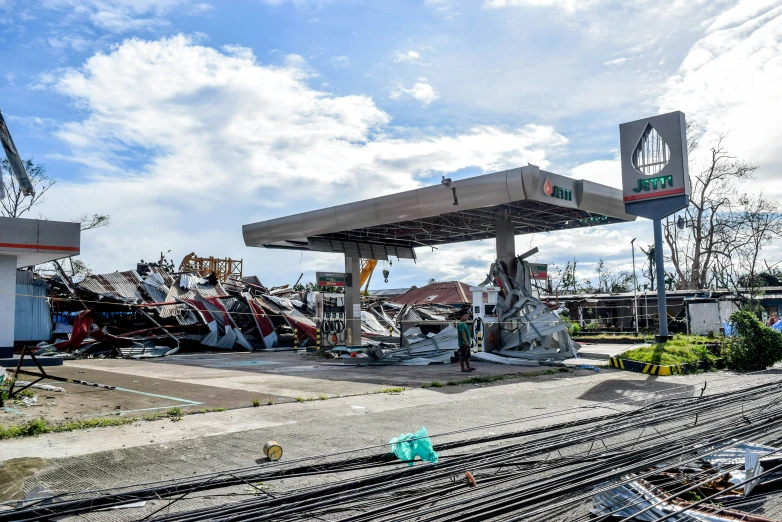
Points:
x=560, y=193
x=652, y=183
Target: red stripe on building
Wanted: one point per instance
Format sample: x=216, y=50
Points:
x=670, y=192
x=39, y=247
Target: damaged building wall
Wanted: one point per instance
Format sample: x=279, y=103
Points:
x=33, y=317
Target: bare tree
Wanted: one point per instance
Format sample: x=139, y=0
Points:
x=649, y=268
x=755, y=225
x=553, y=279
x=613, y=281
x=569, y=280
x=709, y=220
x=15, y=202
x=94, y=221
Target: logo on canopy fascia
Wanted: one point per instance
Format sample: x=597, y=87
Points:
x=547, y=187
x=655, y=177
x=557, y=192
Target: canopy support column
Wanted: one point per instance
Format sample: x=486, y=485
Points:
x=353, y=301
x=506, y=245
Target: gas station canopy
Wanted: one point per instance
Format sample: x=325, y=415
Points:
x=531, y=199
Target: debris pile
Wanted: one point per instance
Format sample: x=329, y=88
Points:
x=682, y=494
x=529, y=329
x=152, y=312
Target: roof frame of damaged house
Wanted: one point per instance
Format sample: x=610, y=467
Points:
x=497, y=206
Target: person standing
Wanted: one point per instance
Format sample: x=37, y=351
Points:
x=773, y=319
x=465, y=342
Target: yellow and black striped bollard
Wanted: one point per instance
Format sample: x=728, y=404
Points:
x=480, y=341
x=295, y=338
x=317, y=337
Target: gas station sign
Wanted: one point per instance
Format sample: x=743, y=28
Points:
x=538, y=271
x=655, y=175
x=338, y=279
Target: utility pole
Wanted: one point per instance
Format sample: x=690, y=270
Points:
x=635, y=288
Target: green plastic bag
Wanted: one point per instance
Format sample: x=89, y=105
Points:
x=408, y=446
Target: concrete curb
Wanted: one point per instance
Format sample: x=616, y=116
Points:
x=654, y=369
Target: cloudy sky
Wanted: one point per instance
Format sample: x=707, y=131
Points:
x=185, y=119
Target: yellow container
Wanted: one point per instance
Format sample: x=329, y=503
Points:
x=272, y=450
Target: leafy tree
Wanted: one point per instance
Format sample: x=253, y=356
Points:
x=771, y=278
x=312, y=287
x=756, y=347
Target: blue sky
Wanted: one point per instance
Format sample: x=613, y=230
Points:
x=186, y=119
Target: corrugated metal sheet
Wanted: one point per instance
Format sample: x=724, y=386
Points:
x=388, y=292
x=447, y=293
x=33, y=319
x=190, y=281
x=124, y=285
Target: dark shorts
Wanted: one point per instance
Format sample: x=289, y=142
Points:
x=464, y=353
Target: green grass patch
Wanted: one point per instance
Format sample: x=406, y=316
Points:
x=40, y=426
x=256, y=403
x=612, y=336
x=489, y=379
x=300, y=399
x=390, y=390
x=270, y=402
x=679, y=350
x=323, y=397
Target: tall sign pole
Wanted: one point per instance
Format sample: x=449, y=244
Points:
x=635, y=288
x=655, y=181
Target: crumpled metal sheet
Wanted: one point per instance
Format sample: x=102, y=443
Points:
x=120, y=285
x=436, y=349
x=529, y=329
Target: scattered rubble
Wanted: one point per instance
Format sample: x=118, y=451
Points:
x=154, y=311
x=725, y=495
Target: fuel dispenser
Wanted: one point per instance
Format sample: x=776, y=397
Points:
x=330, y=314
x=486, y=323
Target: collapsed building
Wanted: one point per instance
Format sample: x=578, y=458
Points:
x=154, y=311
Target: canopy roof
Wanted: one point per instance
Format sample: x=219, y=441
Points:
x=464, y=210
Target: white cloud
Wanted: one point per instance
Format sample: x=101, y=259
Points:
x=566, y=5
x=340, y=62
x=182, y=144
x=421, y=91
x=616, y=61
x=123, y=16
x=605, y=172
x=409, y=56
x=730, y=82
x=443, y=8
